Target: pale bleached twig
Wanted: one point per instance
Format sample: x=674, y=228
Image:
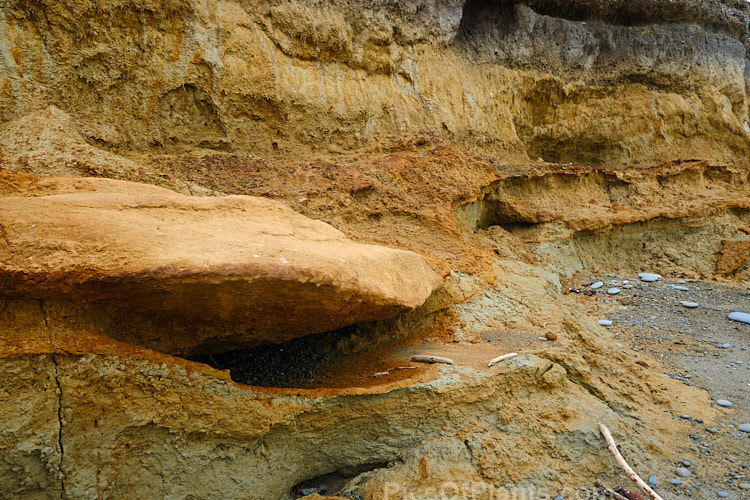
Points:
x=423, y=358
x=496, y=360
x=624, y=465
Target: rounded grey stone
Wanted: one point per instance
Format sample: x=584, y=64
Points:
x=744, y=486
x=682, y=472
x=605, y=322
x=744, y=427
x=691, y=305
x=675, y=482
x=649, y=277
x=680, y=288
x=740, y=316
x=652, y=479
x=596, y=285
x=613, y=291
x=725, y=346
x=686, y=417
x=722, y=494
x=724, y=403
x=687, y=463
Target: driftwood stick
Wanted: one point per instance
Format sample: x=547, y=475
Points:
x=624, y=465
x=423, y=358
x=609, y=492
x=496, y=360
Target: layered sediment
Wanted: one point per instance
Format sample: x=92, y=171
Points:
x=180, y=179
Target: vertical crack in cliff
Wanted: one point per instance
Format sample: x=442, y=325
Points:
x=59, y=401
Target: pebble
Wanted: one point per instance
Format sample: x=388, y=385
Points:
x=559, y=497
x=724, y=403
x=740, y=316
x=686, y=417
x=596, y=285
x=722, y=494
x=682, y=281
x=699, y=420
x=725, y=346
x=691, y=305
x=613, y=291
x=649, y=277
x=744, y=486
x=627, y=286
x=687, y=463
x=744, y=427
x=652, y=479
x=681, y=288
x=682, y=472
x=605, y=322
x=675, y=482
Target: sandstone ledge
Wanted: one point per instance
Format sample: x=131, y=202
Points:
x=176, y=273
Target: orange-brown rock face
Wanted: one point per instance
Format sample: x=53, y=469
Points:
x=193, y=267
x=396, y=178
x=597, y=82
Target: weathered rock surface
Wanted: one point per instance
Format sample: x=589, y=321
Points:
x=186, y=265
x=427, y=125
x=593, y=81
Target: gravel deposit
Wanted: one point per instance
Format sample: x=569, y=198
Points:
x=694, y=332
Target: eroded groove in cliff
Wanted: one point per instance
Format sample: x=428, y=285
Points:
x=687, y=218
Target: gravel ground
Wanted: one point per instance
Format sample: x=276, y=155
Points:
x=699, y=346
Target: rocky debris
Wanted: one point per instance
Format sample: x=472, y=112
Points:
x=197, y=270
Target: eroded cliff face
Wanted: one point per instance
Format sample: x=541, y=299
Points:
x=595, y=82
x=470, y=156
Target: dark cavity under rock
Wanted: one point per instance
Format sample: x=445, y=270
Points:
x=297, y=363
